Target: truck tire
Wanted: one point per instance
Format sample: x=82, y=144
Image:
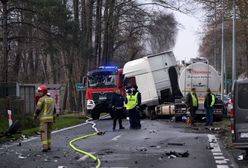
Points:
x=150, y=112
x=95, y=114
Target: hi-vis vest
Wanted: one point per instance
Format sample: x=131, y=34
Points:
x=46, y=106
x=194, y=100
x=213, y=100
x=132, y=101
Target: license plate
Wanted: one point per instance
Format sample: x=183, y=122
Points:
x=243, y=135
x=102, y=98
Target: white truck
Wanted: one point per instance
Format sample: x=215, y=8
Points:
x=200, y=75
x=157, y=79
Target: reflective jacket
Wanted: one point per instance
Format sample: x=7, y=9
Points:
x=45, y=107
x=132, y=101
x=192, y=100
x=209, y=100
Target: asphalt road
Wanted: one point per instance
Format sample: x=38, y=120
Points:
x=147, y=147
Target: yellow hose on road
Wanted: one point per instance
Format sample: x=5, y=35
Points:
x=84, y=152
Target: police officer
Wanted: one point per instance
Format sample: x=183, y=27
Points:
x=208, y=105
x=118, y=108
x=133, y=101
x=192, y=103
x=45, y=110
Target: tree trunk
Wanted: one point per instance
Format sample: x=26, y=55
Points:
x=98, y=32
x=4, y=68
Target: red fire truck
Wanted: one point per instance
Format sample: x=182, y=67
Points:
x=100, y=86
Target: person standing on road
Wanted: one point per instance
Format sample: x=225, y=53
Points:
x=45, y=110
x=208, y=105
x=133, y=101
x=118, y=108
x=192, y=104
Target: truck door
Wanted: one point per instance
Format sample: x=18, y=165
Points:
x=241, y=112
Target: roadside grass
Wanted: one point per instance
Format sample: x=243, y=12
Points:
x=61, y=122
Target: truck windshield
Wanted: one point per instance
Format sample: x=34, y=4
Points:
x=103, y=79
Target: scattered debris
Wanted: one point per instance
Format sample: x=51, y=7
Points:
x=19, y=144
x=212, y=128
x=24, y=137
x=174, y=154
x=152, y=131
x=176, y=144
x=22, y=157
x=101, y=133
x=142, y=149
x=47, y=160
x=56, y=157
x=240, y=157
x=209, y=147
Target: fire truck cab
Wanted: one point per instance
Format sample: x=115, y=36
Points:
x=100, y=86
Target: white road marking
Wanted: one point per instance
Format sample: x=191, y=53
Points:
x=222, y=166
x=85, y=157
x=217, y=154
x=53, y=132
x=220, y=160
x=219, y=157
x=116, y=138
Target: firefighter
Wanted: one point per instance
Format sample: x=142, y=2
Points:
x=133, y=101
x=192, y=104
x=45, y=110
x=208, y=105
x=118, y=108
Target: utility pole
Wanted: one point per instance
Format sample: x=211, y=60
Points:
x=234, y=43
x=222, y=51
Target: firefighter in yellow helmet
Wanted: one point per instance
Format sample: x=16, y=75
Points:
x=45, y=110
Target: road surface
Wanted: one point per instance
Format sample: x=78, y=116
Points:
x=159, y=143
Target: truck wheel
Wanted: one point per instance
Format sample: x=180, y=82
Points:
x=151, y=112
x=95, y=114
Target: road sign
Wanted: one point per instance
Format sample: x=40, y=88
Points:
x=228, y=81
x=80, y=87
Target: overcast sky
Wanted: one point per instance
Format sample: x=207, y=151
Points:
x=188, y=38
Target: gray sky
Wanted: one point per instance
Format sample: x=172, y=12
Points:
x=188, y=38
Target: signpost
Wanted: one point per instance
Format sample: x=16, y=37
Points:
x=80, y=87
x=228, y=81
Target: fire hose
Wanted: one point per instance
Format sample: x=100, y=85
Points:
x=97, y=132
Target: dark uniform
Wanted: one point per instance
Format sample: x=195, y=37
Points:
x=118, y=109
x=133, y=101
x=208, y=105
x=192, y=103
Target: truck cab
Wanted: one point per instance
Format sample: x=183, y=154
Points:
x=100, y=86
x=239, y=114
